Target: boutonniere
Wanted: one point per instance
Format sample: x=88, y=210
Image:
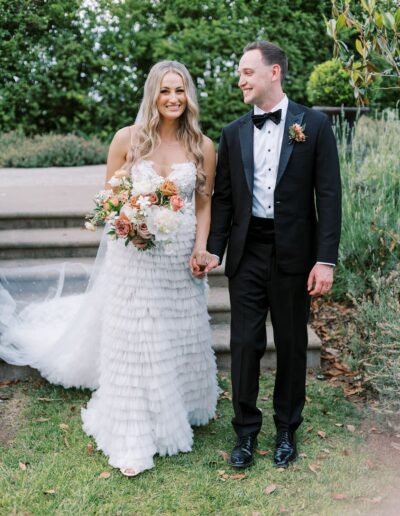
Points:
x=296, y=133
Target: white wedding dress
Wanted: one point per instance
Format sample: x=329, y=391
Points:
x=140, y=336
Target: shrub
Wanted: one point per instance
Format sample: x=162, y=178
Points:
x=329, y=85
x=50, y=151
x=371, y=204
x=374, y=342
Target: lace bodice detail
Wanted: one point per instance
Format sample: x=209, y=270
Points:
x=183, y=174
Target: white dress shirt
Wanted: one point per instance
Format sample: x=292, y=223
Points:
x=267, y=150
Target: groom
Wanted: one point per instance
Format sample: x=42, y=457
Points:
x=277, y=207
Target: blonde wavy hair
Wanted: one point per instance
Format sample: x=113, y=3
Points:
x=147, y=137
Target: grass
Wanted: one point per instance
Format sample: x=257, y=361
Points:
x=57, y=459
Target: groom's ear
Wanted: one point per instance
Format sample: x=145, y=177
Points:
x=276, y=73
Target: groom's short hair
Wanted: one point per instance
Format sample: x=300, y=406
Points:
x=272, y=54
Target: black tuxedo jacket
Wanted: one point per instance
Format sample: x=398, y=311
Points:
x=307, y=197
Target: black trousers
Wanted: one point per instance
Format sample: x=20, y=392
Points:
x=259, y=286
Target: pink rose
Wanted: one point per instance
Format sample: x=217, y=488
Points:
x=143, y=231
x=123, y=226
x=153, y=198
x=123, y=197
x=177, y=202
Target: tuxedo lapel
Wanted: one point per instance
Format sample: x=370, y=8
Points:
x=246, y=136
x=292, y=117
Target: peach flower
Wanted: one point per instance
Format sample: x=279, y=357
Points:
x=120, y=173
x=168, y=188
x=153, y=198
x=177, y=202
x=123, y=226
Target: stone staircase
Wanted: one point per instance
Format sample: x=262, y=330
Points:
x=34, y=238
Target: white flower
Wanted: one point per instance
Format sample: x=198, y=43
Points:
x=90, y=226
x=129, y=212
x=162, y=222
x=114, y=181
x=141, y=187
x=103, y=195
x=143, y=202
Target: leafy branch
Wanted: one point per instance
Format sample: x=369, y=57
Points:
x=359, y=38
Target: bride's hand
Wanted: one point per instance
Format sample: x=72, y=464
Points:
x=198, y=262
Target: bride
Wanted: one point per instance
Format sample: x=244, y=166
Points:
x=139, y=336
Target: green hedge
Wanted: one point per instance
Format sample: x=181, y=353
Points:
x=67, y=67
x=51, y=150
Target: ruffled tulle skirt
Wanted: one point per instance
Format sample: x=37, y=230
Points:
x=141, y=338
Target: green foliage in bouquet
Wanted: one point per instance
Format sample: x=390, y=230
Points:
x=17, y=150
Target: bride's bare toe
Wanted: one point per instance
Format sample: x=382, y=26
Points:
x=129, y=472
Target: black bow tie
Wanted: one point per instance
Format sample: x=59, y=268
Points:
x=259, y=120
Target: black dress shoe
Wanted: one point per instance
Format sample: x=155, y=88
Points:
x=285, y=450
x=242, y=453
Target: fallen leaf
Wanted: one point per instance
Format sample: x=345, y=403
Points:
x=283, y=510
x=321, y=434
x=225, y=396
x=66, y=442
x=265, y=398
x=49, y=492
x=224, y=454
x=281, y=470
x=303, y=455
x=333, y=372
x=42, y=419
x=308, y=400
x=49, y=399
x=309, y=429
x=352, y=391
x=90, y=449
x=270, y=489
x=63, y=426
x=325, y=450
x=105, y=474
x=376, y=499
x=396, y=446
x=73, y=408
x=339, y=425
x=322, y=457
x=263, y=452
x=346, y=453
x=23, y=466
x=351, y=428
x=237, y=476
x=339, y=496
x=314, y=468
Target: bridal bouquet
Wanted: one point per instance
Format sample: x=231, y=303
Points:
x=138, y=211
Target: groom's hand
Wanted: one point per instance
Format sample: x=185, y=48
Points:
x=320, y=279
x=202, y=262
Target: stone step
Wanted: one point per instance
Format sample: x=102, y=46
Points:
x=221, y=348
x=34, y=220
x=48, y=243
x=221, y=336
x=77, y=270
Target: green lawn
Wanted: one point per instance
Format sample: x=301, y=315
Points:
x=62, y=476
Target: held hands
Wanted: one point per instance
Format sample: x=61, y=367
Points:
x=202, y=262
x=320, y=279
